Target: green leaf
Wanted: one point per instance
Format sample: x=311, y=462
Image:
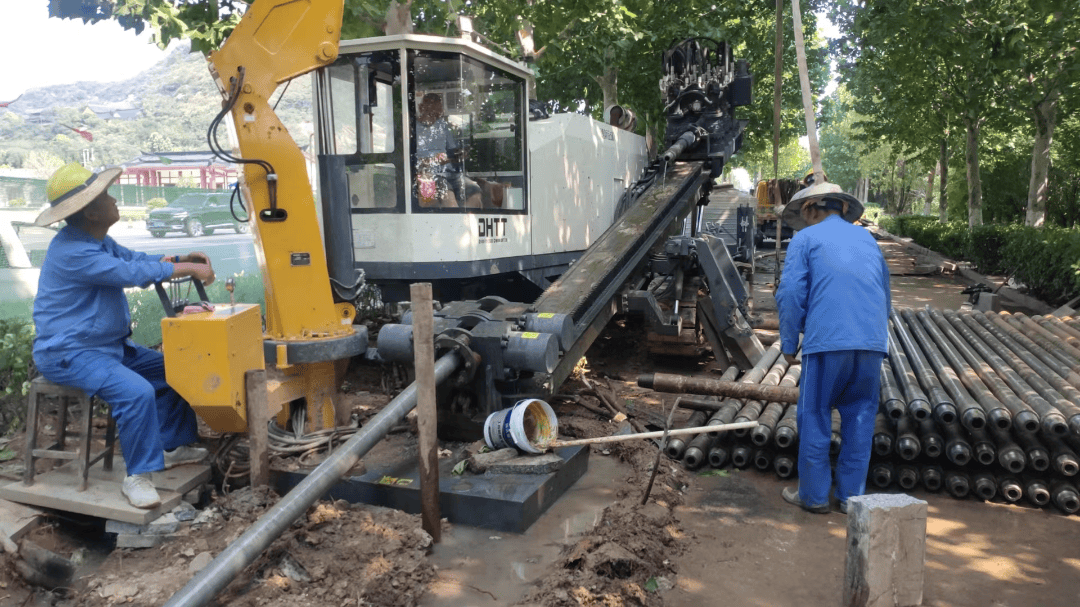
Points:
x=722, y=473
x=651, y=584
x=459, y=469
x=7, y=454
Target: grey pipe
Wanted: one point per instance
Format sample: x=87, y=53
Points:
x=907, y=476
x=883, y=436
x=971, y=414
x=1037, y=491
x=985, y=449
x=943, y=408
x=1047, y=382
x=891, y=400
x=213, y=578
x=985, y=485
x=930, y=438
x=996, y=412
x=957, y=484
x=956, y=448
x=719, y=454
x=931, y=477
x=784, y=466
x=1047, y=341
x=1038, y=457
x=1065, y=497
x=1010, y=488
x=907, y=443
x=676, y=445
x=1010, y=455
x=1019, y=339
x=917, y=402
x=740, y=456
x=1062, y=459
x=1051, y=419
x=1023, y=416
x=787, y=430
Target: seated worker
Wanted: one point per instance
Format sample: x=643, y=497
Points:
x=439, y=182
x=83, y=327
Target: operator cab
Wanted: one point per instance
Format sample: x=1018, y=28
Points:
x=422, y=158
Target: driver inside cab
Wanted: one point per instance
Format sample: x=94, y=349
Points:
x=439, y=182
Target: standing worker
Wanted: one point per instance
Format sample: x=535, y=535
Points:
x=835, y=291
x=84, y=327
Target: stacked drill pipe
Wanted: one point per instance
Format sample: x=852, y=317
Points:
x=680, y=448
x=971, y=404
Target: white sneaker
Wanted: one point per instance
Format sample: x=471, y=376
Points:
x=139, y=490
x=184, y=455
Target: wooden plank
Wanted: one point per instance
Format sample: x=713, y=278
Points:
x=427, y=415
x=180, y=479
x=16, y=520
x=258, y=418
x=58, y=489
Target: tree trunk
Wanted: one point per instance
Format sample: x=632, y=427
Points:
x=973, y=178
x=609, y=82
x=929, y=191
x=903, y=186
x=893, y=201
x=943, y=162
x=1045, y=119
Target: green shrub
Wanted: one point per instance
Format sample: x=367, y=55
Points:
x=17, y=202
x=16, y=344
x=156, y=203
x=147, y=311
x=985, y=247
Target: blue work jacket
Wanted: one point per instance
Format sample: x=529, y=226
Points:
x=834, y=290
x=80, y=304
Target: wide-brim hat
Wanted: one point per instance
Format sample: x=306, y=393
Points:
x=817, y=194
x=71, y=188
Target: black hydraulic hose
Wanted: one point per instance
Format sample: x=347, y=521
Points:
x=996, y=412
x=943, y=408
x=917, y=402
x=1050, y=385
x=1023, y=416
x=892, y=401
x=971, y=414
x=1050, y=418
x=213, y=578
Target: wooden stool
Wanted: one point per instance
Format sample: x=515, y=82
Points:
x=66, y=396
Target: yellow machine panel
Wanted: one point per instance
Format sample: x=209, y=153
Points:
x=206, y=357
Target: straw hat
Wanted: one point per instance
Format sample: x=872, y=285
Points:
x=71, y=188
x=818, y=194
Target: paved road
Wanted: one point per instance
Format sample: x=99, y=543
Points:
x=230, y=253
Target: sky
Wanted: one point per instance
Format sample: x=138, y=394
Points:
x=62, y=51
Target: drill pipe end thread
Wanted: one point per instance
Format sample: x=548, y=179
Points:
x=676, y=448
x=932, y=446
x=1027, y=421
x=718, y=456
x=1001, y=418
x=1012, y=460
x=882, y=444
x=1010, y=489
x=784, y=465
x=1066, y=465
x=1066, y=498
x=784, y=437
x=984, y=454
x=931, y=479
x=919, y=409
x=985, y=487
x=959, y=454
x=1039, y=460
x=1038, y=493
x=760, y=436
x=958, y=486
x=908, y=448
x=1074, y=425
x=693, y=458
x=945, y=413
x=973, y=419
x=1055, y=425
x=740, y=457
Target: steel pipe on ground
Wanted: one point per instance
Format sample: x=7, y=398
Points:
x=1022, y=345
x=1050, y=418
x=1023, y=416
x=996, y=413
x=971, y=414
x=1052, y=343
x=891, y=401
x=213, y=578
x=940, y=404
x=914, y=395
x=678, y=384
x=1044, y=379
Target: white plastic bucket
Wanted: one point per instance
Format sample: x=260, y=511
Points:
x=529, y=426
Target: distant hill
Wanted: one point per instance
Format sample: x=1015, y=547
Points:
x=177, y=98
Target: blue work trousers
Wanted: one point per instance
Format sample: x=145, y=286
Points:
x=848, y=381
x=150, y=416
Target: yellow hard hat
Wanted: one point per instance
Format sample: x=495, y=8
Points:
x=809, y=178
x=71, y=188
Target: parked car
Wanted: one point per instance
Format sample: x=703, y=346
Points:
x=22, y=251
x=195, y=213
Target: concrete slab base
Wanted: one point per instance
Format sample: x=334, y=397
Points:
x=500, y=502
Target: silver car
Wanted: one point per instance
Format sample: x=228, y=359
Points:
x=22, y=251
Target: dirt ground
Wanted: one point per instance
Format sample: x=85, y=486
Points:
x=702, y=539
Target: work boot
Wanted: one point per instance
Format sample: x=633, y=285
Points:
x=843, y=506
x=139, y=490
x=184, y=455
x=791, y=496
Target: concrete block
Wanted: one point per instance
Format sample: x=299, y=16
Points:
x=112, y=526
x=163, y=525
x=886, y=538
x=125, y=540
x=988, y=302
x=528, y=464
x=479, y=463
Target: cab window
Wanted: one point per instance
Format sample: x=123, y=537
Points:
x=467, y=135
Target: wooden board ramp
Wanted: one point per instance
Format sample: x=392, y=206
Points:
x=16, y=520
x=58, y=489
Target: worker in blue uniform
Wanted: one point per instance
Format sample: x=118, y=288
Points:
x=835, y=292
x=83, y=327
